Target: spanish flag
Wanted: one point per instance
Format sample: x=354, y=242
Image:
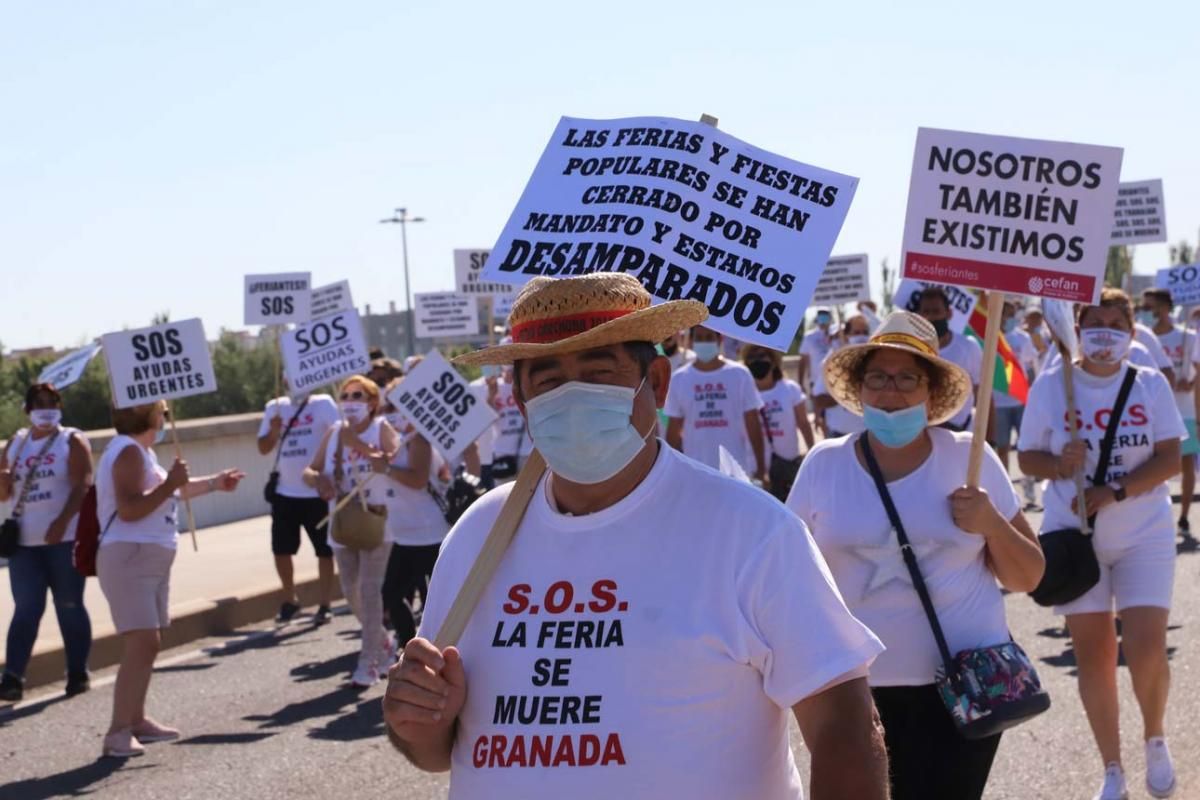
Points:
x=1009, y=377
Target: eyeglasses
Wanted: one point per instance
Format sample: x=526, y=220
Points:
x=360, y=395
x=903, y=382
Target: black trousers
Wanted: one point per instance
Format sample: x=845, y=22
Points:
x=408, y=571
x=928, y=758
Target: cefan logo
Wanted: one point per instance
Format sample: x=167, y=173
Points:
x=1036, y=285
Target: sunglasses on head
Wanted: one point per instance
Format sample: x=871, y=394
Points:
x=358, y=395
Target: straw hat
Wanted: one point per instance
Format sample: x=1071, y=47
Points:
x=909, y=333
x=566, y=315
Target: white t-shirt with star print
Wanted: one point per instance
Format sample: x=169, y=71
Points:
x=837, y=499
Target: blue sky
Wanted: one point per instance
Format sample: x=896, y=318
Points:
x=153, y=153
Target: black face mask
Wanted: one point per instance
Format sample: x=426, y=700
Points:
x=941, y=327
x=759, y=369
x=670, y=349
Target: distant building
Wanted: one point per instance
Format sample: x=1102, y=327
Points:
x=29, y=352
x=389, y=332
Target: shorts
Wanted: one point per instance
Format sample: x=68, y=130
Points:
x=136, y=581
x=1008, y=422
x=1191, y=445
x=288, y=514
x=1143, y=574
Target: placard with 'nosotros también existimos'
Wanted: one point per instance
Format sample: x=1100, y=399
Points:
x=1022, y=216
x=1182, y=281
x=688, y=210
x=331, y=298
x=70, y=368
x=846, y=279
x=1140, y=216
x=278, y=298
x=162, y=362
x=323, y=350
x=441, y=406
x=962, y=302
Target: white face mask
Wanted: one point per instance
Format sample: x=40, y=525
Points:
x=354, y=411
x=858, y=339
x=1104, y=345
x=45, y=418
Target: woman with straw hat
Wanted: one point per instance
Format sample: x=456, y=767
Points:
x=659, y=595
x=964, y=540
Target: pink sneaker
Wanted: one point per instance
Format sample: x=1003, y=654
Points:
x=122, y=744
x=148, y=732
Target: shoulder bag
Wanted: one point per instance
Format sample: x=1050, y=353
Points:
x=10, y=530
x=780, y=471
x=986, y=690
x=356, y=524
x=271, y=489
x=1071, y=565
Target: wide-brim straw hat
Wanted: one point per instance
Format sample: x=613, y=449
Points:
x=552, y=316
x=909, y=333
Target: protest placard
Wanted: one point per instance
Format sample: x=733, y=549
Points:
x=1140, y=216
x=69, y=368
x=845, y=280
x=962, y=302
x=323, y=350
x=330, y=299
x=162, y=362
x=1182, y=281
x=690, y=211
x=440, y=315
x=278, y=298
x=1022, y=216
x=441, y=406
x=468, y=264
x=502, y=306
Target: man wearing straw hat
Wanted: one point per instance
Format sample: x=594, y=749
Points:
x=651, y=620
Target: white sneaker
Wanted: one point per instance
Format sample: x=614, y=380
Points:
x=387, y=655
x=364, y=676
x=1160, y=772
x=1114, y=784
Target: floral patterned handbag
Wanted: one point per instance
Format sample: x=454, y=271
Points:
x=987, y=689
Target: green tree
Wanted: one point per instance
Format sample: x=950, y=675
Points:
x=1119, y=265
x=1182, y=253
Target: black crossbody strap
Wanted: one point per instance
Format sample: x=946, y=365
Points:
x=283, y=436
x=910, y=558
x=1114, y=422
x=766, y=421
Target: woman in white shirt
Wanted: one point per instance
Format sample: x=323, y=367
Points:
x=965, y=540
x=1134, y=530
x=136, y=502
x=784, y=416
x=352, y=452
x=48, y=469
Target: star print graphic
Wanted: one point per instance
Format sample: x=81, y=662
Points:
x=887, y=562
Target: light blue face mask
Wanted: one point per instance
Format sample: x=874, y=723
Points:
x=160, y=434
x=706, y=351
x=896, y=428
x=585, y=430
x=1009, y=324
x=1147, y=318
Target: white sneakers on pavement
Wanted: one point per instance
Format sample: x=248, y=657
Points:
x=148, y=732
x=122, y=744
x=1114, y=787
x=1160, y=771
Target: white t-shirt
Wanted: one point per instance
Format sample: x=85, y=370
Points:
x=302, y=441
x=356, y=468
x=836, y=497
x=512, y=438
x=712, y=406
x=1173, y=345
x=779, y=407
x=1150, y=417
x=683, y=624
x=50, y=484
x=487, y=439
x=1022, y=347
x=1148, y=339
x=816, y=344
x=966, y=352
x=414, y=518
x=680, y=358
x=160, y=526
x=838, y=421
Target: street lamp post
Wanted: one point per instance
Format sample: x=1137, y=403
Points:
x=402, y=218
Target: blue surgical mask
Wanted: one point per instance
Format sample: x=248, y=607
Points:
x=706, y=351
x=1147, y=318
x=1009, y=324
x=896, y=428
x=160, y=434
x=490, y=370
x=585, y=430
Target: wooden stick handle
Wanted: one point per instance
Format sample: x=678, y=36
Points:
x=187, y=501
x=346, y=499
x=983, y=402
x=492, y=552
x=1068, y=375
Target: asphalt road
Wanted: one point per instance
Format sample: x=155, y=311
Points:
x=268, y=714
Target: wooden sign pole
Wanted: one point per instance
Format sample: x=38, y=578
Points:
x=983, y=402
x=278, y=366
x=187, y=501
x=1068, y=375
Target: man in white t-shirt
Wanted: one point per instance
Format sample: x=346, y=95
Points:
x=296, y=505
x=1147, y=338
x=934, y=305
x=1179, y=344
x=653, y=623
x=815, y=345
x=713, y=404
